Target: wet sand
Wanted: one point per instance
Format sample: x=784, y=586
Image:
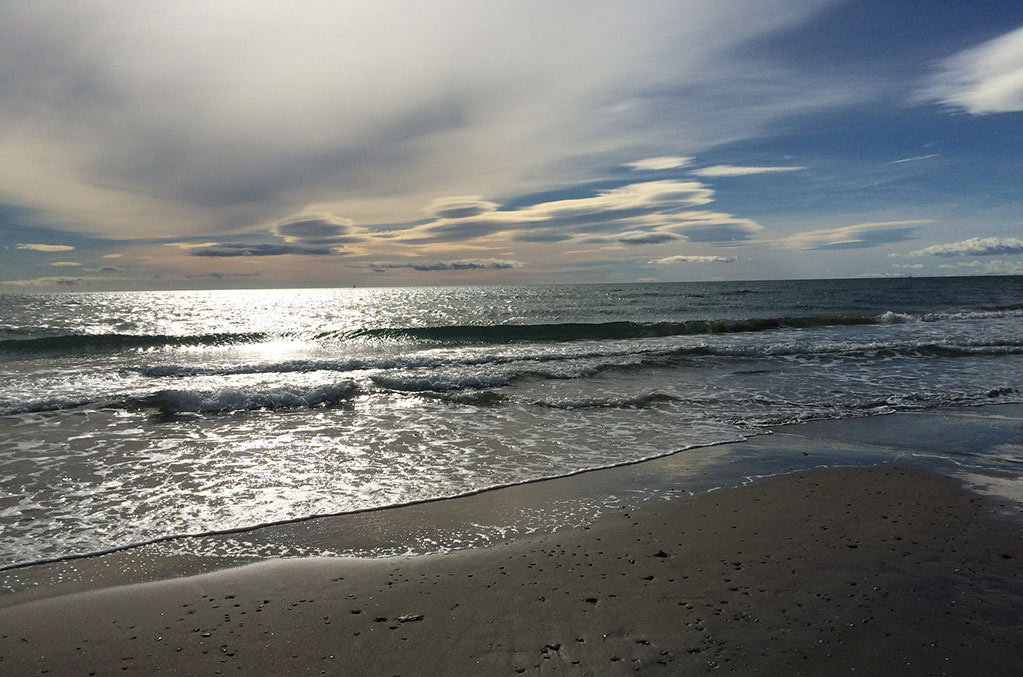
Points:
x=886, y=570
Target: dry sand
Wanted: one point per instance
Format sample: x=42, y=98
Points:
x=888, y=570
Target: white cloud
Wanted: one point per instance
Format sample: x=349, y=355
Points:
x=858, y=236
x=985, y=79
x=658, y=163
x=65, y=264
x=46, y=247
x=916, y=158
x=996, y=267
x=608, y=209
x=975, y=246
x=665, y=194
x=733, y=170
x=682, y=258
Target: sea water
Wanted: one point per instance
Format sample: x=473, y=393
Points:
x=128, y=417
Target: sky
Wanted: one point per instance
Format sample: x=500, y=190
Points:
x=230, y=144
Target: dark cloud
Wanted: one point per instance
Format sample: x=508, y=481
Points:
x=231, y=249
x=463, y=229
x=459, y=264
x=339, y=240
x=314, y=228
x=717, y=232
x=646, y=238
x=221, y=276
x=459, y=207
x=540, y=236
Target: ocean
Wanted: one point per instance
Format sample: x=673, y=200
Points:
x=129, y=417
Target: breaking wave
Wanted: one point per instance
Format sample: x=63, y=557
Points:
x=108, y=342
x=239, y=399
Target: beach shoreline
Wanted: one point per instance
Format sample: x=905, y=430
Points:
x=885, y=569
x=943, y=440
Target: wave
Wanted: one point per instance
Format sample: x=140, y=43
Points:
x=852, y=350
x=634, y=402
x=42, y=406
x=439, y=383
x=576, y=331
x=478, y=398
x=106, y=342
x=185, y=401
x=587, y=363
x=491, y=334
x=902, y=402
x=984, y=313
x=238, y=399
x=306, y=366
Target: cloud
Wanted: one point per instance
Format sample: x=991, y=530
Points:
x=459, y=207
x=44, y=282
x=112, y=256
x=260, y=112
x=985, y=79
x=231, y=249
x=188, y=246
x=540, y=236
x=315, y=229
x=975, y=246
x=65, y=264
x=632, y=238
x=732, y=170
x=606, y=210
x=708, y=226
x=996, y=267
x=221, y=276
x=460, y=264
x=46, y=247
x=858, y=236
x=682, y=258
x=658, y=163
x=915, y=158
x=993, y=267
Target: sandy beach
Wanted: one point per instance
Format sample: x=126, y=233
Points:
x=885, y=570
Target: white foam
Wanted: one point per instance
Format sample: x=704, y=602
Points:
x=891, y=317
